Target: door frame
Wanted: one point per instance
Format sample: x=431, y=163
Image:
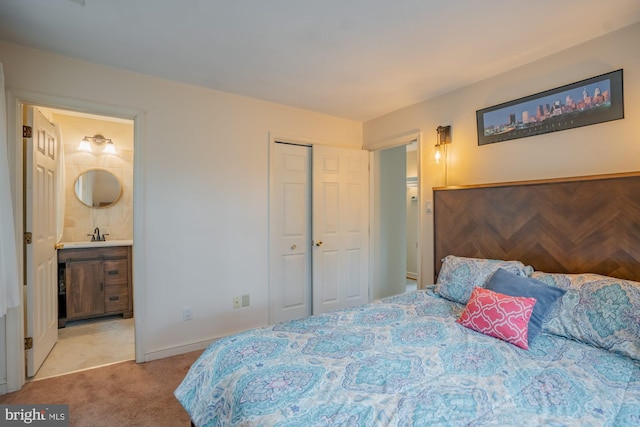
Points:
x=374, y=216
x=14, y=319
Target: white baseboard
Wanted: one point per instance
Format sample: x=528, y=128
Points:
x=174, y=351
x=3, y=388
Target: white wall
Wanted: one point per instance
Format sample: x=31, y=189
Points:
x=388, y=228
x=603, y=148
x=205, y=188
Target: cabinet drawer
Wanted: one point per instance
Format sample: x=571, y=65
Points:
x=116, y=272
x=80, y=254
x=116, y=298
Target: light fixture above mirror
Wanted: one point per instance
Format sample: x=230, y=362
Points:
x=98, y=140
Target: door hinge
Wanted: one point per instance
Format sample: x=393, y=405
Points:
x=27, y=237
x=27, y=131
x=28, y=343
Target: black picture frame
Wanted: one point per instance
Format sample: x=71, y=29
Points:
x=586, y=102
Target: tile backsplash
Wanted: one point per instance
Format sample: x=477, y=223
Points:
x=80, y=220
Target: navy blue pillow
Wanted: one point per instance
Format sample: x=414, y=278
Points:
x=513, y=285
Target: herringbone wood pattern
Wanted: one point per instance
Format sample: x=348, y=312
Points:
x=589, y=224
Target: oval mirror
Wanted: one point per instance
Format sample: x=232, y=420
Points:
x=97, y=188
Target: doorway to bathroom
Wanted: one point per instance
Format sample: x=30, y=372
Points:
x=93, y=195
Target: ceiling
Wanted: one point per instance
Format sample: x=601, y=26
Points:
x=357, y=59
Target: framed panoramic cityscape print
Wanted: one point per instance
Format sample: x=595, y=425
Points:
x=587, y=102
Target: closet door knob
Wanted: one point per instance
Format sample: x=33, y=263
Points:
x=318, y=243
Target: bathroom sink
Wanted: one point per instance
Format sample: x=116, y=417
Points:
x=73, y=245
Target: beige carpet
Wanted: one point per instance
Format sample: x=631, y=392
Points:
x=123, y=394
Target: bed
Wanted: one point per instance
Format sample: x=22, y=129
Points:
x=471, y=350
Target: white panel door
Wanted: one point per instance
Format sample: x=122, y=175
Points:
x=340, y=224
x=290, y=240
x=41, y=256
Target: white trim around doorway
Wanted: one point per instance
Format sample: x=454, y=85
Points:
x=14, y=322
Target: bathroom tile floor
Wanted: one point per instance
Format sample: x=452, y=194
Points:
x=89, y=343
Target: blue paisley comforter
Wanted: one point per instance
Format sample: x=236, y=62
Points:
x=404, y=361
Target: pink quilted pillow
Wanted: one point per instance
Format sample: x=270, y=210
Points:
x=498, y=315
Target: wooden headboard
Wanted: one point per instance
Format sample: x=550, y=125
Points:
x=573, y=225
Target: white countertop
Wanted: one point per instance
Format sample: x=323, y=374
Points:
x=89, y=244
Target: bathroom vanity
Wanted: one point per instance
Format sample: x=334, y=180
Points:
x=94, y=280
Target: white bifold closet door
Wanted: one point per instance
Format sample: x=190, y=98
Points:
x=319, y=230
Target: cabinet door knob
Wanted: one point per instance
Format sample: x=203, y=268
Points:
x=101, y=286
x=112, y=272
x=114, y=298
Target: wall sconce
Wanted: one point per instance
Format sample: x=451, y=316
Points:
x=99, y=140
x=444, y=137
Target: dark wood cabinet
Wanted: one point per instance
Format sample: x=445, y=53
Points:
x=85, y=290
x=97, y=282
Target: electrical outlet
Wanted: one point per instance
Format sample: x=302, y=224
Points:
x=187, y=313
x=245, y=300
x=236, y=302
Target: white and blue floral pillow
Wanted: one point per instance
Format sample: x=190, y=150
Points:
x=459, y=275
x=598, y=310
